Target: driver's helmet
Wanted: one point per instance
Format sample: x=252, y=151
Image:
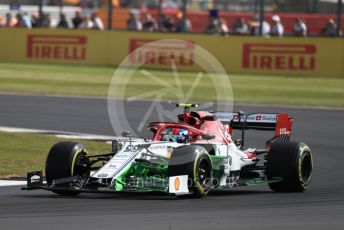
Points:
x=183, y=135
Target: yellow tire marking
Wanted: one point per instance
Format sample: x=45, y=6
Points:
x=302, y=151
x=199, y=187
x=74, y=159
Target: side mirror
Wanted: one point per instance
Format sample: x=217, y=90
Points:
x=208, y=137
x=241, y=113
x=114, y=146
x=126, y=133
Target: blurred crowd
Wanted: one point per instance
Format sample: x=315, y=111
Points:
x=79, y=21
x=218, y=26
x=165, y=23
x=252, y=27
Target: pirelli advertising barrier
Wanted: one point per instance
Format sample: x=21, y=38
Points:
x=322, y=57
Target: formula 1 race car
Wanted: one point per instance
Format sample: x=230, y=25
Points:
x=187, y=158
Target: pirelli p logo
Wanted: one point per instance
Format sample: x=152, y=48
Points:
x=57, y=47
x=160, y=52
x=291, y=57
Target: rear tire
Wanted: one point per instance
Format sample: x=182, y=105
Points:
x=193, y=161
x=62, y=162
x=293, y=162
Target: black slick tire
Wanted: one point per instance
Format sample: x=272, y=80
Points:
x=193, y=161
x=62, y=162
x=291, y=161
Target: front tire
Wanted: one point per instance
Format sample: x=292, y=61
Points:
x=293, y=162
x=62, y=161
x=193, y=161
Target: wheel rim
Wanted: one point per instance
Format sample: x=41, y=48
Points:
x=306, y=168
x=80, y=166
x=203, y=172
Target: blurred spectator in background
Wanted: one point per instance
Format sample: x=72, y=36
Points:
x=133, y=23
x=277, y=27
x=212, y=26
x=149, y=24
x=77, y=20
x=97, y=22
x=240, y=26
x=255, y=25
x=300, y=28
x=222, y=28
x=26, y=21
x=86, y=23
x=19, y=20
x=9, y=20
x=63, y=23
x=47, y=22
x=166, y=24
x=179, y=24
x=34, y=20
x=330, y=28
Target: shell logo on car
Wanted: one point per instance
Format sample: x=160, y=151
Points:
x=57, y=47
x=169, y=153
x=176, y=183
x=291, y=57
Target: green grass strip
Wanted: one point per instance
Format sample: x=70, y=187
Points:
x=23, y=152
x=94, y=81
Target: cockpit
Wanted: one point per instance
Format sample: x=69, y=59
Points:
x=178, y=135
x=175, y=132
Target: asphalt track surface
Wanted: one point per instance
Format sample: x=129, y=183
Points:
x=321, y=207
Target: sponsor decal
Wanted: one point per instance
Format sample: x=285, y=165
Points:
x=160, y=53
x=176, y=183
x=112, y=166
x=56, y=47
x=224, y=116
x=291, y=57
x=35, y=179
x=169, y=151
x=103, y=175
x=123, y=155
x=283, y=131
x=264, y=118
x=153, y=147
x=134, y=148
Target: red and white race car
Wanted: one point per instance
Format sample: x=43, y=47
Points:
x=187, y=158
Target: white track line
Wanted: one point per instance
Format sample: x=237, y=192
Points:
x=11, y=183
x=62, y=134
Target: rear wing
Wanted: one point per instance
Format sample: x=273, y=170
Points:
x=280, y=123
